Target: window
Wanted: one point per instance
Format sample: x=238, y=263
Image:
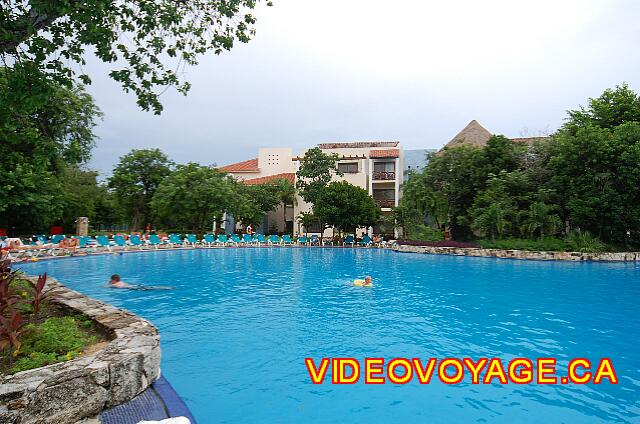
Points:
x=348, y=168
x=384, y=194
x=384, y=166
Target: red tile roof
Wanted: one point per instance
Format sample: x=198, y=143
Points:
x=250, y=165
x=358, y=144
x=289, y=176
x=389, y=153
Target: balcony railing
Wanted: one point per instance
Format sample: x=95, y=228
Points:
x=384, y=175
x=385, y=203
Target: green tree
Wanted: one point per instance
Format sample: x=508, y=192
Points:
x=316, y=171
x=346, y=207
x=614, y=107
x=44, y=128
x=152, y=41
x=193, y=197
x=82, y=196
x=135, y=180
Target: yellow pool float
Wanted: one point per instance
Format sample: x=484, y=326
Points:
x=361, y=283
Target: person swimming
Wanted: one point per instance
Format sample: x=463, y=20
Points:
x=367, y=282
x=117, y=283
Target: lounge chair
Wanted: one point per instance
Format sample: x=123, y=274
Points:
x=136, y=241
x=154, y=240
x=222, y=239
x=286, y=239
x=209, y=240
x=175, y=240
x=191, y=239
x=303, y=240
x=120, y=241
x=349, y=240
x=235, y=239
x=315, y=240
x=57, y=238
x=261, y=239
x=247, y=239
x=274, y=239
x=104, y=243
x=366, y=241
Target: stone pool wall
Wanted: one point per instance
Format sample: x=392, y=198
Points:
x=519, y=254
x=69, y=391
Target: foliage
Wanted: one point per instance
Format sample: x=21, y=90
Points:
x=308, y=220
x=7, y=276
x=39, y=293
x=346, y=207
x=82, y=196
x=423, y=232
x=194, y=196
x=135, y=180
x=253, y=202
x=152, y=41
x=316, y=171
x=35, y=360
x=44, y=128
x=585, y=177
x=11, y=329
x=59, y=335
x=448, y=243
x=584, y=241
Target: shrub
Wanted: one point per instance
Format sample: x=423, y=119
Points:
x=584, y=241
x=34, y=360
x=423, y=232
x=55, y=335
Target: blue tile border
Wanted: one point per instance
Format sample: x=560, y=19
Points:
x=158, y=402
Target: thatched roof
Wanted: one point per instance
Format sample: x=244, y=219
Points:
x=473, y=134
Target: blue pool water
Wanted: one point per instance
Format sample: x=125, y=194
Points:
x=240, y=322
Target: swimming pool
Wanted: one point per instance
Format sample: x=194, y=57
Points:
x=237, y=328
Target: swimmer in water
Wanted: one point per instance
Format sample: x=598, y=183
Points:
x=367, y=282
x=116, y=283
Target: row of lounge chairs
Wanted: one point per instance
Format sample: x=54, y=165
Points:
x=61, y=246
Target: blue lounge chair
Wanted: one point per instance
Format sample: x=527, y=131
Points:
x=154, y=240
x=120, y=241
x=209, y=240
x=191, y=239
x=175, y=240
x=349, y=240
x=235, y=239
x=136, y=241
x=274, y=239
x=327, y=242
x=286, y=239
x=315, y=240
x=57, y=238
x=104, y=243
x=261, y=239
x=366, y=241
x=303, y=240
x=247, y=239
x=222, y=239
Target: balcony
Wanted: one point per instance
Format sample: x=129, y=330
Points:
x=384, y=175
x=385, y=203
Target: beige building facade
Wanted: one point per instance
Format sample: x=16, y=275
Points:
x=375, y=166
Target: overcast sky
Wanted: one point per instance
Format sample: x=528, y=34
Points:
x=414, y=71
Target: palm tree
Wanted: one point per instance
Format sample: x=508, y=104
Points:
x=541, y=219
